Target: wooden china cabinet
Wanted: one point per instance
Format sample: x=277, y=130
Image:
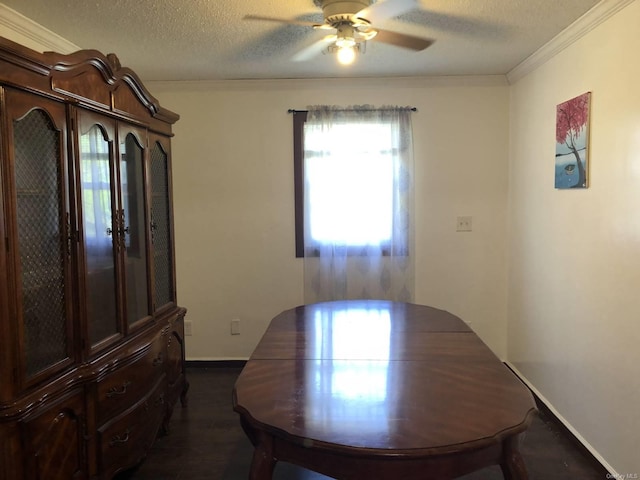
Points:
x=91, y=336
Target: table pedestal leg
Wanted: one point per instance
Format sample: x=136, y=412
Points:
x=512, y=465
x=263, y=462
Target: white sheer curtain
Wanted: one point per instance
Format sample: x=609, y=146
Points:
x=358, y=204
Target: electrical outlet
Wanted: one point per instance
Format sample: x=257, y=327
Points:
x=187, y=329
x=464, y=224
x=235, y=326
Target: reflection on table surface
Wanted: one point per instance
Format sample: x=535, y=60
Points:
x=345, y=393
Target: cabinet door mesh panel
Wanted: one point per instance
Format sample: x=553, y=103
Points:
x=162, y=227
x=41, y=244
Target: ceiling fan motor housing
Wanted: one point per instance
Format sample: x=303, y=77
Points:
x=339, y=11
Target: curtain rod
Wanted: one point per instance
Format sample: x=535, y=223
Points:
x=413, y=109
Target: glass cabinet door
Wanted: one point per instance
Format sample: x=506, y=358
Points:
x=99, y=226
x=42, y=257
x=161, y=227
x=134, y=225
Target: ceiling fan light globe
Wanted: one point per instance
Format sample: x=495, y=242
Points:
x=346, y=55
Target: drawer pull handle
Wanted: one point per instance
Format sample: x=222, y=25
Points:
x=115, y=391
x=158, y=360
x=158, y=402
x=120, y=439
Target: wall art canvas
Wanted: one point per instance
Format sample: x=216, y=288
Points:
x=572, y=142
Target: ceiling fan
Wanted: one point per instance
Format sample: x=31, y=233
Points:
x=355, y=22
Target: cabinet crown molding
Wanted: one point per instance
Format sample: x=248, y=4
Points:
x=67, y=69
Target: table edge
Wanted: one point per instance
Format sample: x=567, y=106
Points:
x=411, y=453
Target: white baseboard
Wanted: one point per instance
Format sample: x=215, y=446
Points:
x=564, y=421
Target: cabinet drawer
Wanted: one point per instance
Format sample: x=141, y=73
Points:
x=121, y=389
x=124, y=441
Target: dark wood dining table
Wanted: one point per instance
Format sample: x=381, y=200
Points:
x=379, y=390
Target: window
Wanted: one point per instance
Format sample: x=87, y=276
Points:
x=354, y=197
x=350, y=174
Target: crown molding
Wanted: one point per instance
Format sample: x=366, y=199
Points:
x=583, y=25
x=25, y=31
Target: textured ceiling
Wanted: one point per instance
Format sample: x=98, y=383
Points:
x=208, y=39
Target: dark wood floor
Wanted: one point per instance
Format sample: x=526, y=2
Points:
x=206, y=442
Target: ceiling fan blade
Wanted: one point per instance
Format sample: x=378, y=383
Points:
x=403, y=40
x=381, y=11
x=288, y=21
x=314, y=49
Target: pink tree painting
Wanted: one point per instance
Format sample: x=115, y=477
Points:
x=572, y=139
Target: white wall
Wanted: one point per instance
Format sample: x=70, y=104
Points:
x=574, y=265
x=234, y=207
